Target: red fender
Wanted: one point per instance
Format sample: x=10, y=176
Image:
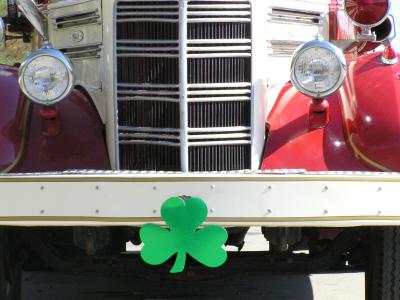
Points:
x=13, y=112
x=292, y=144
x=26, y=145
x=80, y=143
x=364, y=128
x=371, y=107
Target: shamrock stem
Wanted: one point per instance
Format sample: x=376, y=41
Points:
x=179, y=264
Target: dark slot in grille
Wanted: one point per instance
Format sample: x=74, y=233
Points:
x=147, y=30
x=220, y=158
x=148, y=114
x=219, y=30
x=219, y=114
x=151, y=70
x=219, y=70
x=149, y=157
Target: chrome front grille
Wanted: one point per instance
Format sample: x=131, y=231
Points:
x=184, y=85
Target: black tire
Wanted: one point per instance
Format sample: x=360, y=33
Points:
x=10, y=268
x=383, y=273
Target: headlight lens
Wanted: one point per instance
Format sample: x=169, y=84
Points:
x=318, y=69
x=46, y=76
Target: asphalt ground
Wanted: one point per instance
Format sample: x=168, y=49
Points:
x=346, y=286
x=327, y=286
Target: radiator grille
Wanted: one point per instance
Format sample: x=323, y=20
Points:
x=219, y=114
x=219, y=158
x=136, y=157
x=216, y=93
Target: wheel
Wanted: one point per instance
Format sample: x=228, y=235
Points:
x=383, y=272
x=10, y=268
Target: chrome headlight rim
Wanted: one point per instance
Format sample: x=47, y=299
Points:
x=327, y=46
x=56, y=54
x=2, y=30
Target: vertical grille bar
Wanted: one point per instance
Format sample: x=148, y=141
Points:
x=183, y=78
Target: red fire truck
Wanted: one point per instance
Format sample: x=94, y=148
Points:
x=279, y=114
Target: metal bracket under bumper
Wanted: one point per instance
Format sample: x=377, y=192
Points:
x=234, y=199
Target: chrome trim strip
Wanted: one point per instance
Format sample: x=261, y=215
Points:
x=219, y=20
x=235, y=197
x=144, y=142
x=183, y=85
x=145, y=98
x=220, y=92
x=146, y=55
x=148, y=129
x=148, y=136
x=153, y=42
x=160, y=93
x=147, y=20
x=147, y=85
x=115, y=87
x=220, y=143
x=219, y=129
x=217, y=54
x=220, y=99
x=220, y=136
x=219, y=85
x=220, y=41
x=275, y=175
x=149, y=6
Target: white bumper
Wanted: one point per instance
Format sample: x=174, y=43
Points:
x=234, y=199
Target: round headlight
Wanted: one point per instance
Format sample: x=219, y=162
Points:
x=46, y=76
x=318, y=69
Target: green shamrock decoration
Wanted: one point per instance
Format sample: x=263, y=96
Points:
x=183, y=237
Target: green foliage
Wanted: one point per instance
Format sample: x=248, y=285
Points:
x=13, y=50
x=183, y=236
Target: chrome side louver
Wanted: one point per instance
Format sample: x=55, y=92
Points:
x=287, y=15
x=76, y=18
x=84, y=52
x=289, y=28
x=283, y=48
